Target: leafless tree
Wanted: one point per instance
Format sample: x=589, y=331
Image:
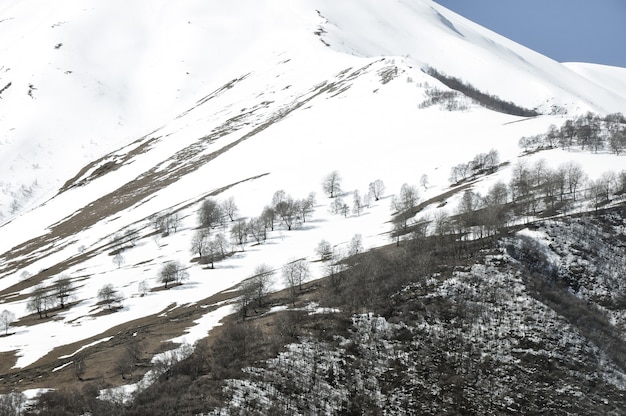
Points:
x=239, y=233
x=118, y=260
x=63, y=289
x=6, y=318
x=617, y=140
x=41, y=301
x=441, y=223
x=210, y=213
x=287, y=210
x=574, y=177
x=268, y=216
x=331, y=184
x=200, y=241
x=356, y=245
x=262, y=280
x=172, y=272
x=109, y=295
x=376, y=189
x=255, y=289
x=143, y=287
x=221, y=244
x=306, y=206
x=257, y=229
x=230, y=208
x=324, y=250
x=294, y=274
x=357, y=203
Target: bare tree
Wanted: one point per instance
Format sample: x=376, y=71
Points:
x=239, y=233
x=172, y=272
x=574, y=177
x=287, y=210
x=210, y=213
x=407, y=199
x=268, y=216
x=357, y=203
x=255, y=289
x=324, y=250
x=41, y=301
x=230, y=208
x=109, y=295
x=166, y=223
x=306, y=206
x=376, y=189
x=63, y=289
x=118, y=260
x=262, y=280
x=294, y=274
x=356, y=245
x=424, y=181
x=143, y=287
x=221, y=244
x=338, y=206
x=200, y=241
x=331, y=184
x=441, y=222
x=6, y=318
x=257, y=229
x=617, y=141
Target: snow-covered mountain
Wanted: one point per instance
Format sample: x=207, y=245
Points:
x=112, y=113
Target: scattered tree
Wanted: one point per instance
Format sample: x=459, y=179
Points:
x=268, y=216
x=331, y=184
x=376, y=189
x=143, y=287
x=357, y=203
x=255, y=289
x=356, y=245
x=41, y=301
x=6, y=318
x=118, y=260
x=200, y=242
x=306, y=206
x=257, y=229
x=230, y=208
x=324, y=250
x=239, y=233
x=172, y=272
x=294, y=274
x=287, y=210
x=210, y=213
x=63, y=289
x=109, y=295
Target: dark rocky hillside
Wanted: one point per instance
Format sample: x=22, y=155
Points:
x=526, y=322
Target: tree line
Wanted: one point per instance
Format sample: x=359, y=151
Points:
x=589, y=132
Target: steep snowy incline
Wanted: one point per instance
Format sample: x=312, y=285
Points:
x=434, y=36
x=80, y=79
x=609, y=77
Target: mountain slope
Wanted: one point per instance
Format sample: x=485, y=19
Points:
x=238, y=100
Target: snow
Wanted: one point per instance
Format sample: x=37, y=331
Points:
x=139, y=76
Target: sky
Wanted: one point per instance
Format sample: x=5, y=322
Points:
x=565, y=30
